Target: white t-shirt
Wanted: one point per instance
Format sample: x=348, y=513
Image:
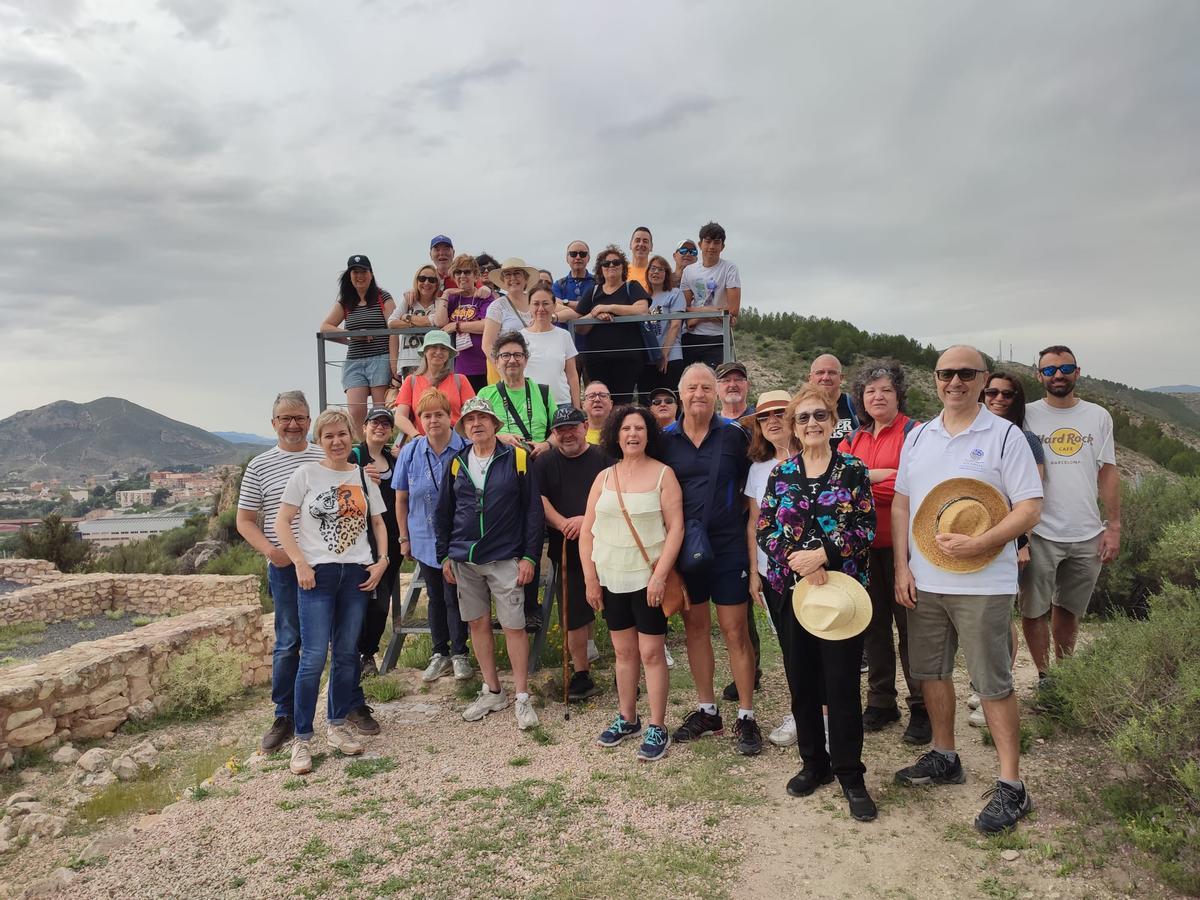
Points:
x=548, y=355
x=709, y=287
x=991, y=449
x=756, y=486
x=334, y=513
x=477, y=467
x=264, y=480
x=501, y=310
x=1077, y=442
x=409, y=352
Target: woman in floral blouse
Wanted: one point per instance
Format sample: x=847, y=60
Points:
x=817, y=515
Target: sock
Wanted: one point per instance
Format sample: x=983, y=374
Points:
x=523, y=697
x=710, y=708
x=591, y=647
x=497, y=691
x=951, y=755
x=1018, y=784
x=745, y=713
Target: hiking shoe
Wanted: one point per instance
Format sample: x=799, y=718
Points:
x=977, y=719
x=581, y=687
x=462, y=667
x=698, y=724
x=876, y=718
x=485, y=703
x=593, y=651
x=654, y=744
x=862, y=807
x=920, y=729
x=933, y=768
x=808, y=780
x=785, y=734
x=749, y=736
x=864, y=667
x=533, y=622
x=526, y=715
x=1006, y=806
x=301, y=763
x=342, y=739
x=670, y=658
x=620, y=729
x=973, y=700
x=439, y=664
x=362, y=720
x=731, y=692
x=368, y=668
x=280, y=732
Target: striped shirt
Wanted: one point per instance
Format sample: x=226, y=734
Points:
x=264, y=480
x=363, y=316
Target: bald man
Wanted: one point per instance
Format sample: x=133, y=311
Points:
x=826, y=373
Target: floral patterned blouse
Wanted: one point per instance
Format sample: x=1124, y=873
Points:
x=834, y=511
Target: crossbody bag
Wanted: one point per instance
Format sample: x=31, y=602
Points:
x=675, y=596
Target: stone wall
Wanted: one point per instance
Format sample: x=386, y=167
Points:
x=90, y=689
x=28, y=571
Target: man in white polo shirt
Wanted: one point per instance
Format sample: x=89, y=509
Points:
x=969, y=604
x=1071, y=542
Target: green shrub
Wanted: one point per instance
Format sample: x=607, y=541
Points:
x=223, y=527
x=201, y=680
x=242, y=559
x=1175, y=557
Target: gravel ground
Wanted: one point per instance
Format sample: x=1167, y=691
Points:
x=62, y=635
x=7, y=587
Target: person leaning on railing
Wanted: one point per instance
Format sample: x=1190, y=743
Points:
x=664, y=300
x=460, y=313
x=416, y=312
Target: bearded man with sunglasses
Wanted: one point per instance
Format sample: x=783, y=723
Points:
x=967, y=596
x=1072, y=542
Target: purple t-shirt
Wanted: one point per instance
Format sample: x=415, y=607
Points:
x=462, y=308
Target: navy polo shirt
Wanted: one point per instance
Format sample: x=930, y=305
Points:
x=691, y=464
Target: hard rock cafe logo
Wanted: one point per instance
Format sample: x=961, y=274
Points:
x=1066, y=441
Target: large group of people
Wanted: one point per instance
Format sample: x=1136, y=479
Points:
x=635, y=448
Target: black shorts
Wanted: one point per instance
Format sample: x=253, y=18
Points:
x=630, y=610
x=726, y=582
x=579, y=613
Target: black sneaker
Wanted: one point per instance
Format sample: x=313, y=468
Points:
x=807, y=780
x=862, y=807
x=698, y=724
x=362, y=720
x=920, y=729
x=280, y=732
x=876, y=717
x=933, y=768
x=749, y=736
x=581, y=687
x=731, y=692
x=1006, y=806
x=368, y=667
x=533, y=622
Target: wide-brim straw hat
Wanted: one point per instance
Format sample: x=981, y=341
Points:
x=438, y=338
x=838, y=609
x=514, y=262
x=769, y=401
x=958, y=506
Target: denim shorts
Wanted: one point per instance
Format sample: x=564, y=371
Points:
x=374, y=371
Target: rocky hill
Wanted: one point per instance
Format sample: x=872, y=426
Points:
x=105, y=435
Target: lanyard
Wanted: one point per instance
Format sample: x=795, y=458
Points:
x=526, y=432
x=436, y=487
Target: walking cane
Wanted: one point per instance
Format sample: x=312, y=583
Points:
x=562, y=612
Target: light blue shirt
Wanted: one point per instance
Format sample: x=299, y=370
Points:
x=420, y=472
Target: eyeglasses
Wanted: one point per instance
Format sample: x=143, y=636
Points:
x=377, y=421
x=817, y=415
x=292, y=420
x=686, y=251
x=464, y=272
x=1065, y=368
x=426, y=279
x=510, y=354
x=513, y=273
x=597, y=395
x=947, y=375
x=663, y=401
x=1000, y=392
x=611, y=264
x=775, y=414
x=656, y=270
x=577, y=254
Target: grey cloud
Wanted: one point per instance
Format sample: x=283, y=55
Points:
x=38, y=78
x=200, y=19
x=446, y=89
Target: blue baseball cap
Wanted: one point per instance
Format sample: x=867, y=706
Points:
x=440, y=239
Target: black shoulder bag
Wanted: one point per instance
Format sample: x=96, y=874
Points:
x=696, y=552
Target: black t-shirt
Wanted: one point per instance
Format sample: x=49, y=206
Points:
x=566, y=483
x=847, y=421
x=617, y=335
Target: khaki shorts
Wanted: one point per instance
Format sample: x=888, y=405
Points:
x=981, y=623
x=479, y=582
x=1059, y=573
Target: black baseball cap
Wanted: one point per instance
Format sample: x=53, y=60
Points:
x=359, y=262
x=567, y=415
x=663, y=392
x=381, y=412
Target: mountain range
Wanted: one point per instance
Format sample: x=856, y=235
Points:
x=65, y=439
x=244, y=437
x=1177, y=389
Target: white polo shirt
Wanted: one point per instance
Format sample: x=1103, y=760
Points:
x=991, y=449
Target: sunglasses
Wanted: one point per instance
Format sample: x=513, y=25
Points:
x=817, y=415
x=611, y=264
x=663, y=401
x=686, y=251
x=426, y=279
x=464, y=272
x=1000, y=392
x=774, y=414
x=947, y=375
x=577, y=254
x=1065, y=368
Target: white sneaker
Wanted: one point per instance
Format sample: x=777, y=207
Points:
x=439, y=665
x=593, y=651
x=301, y=763
x=526, y=715
x=485, y=703
x=340, y=738
x=462, y=668
x=785, y=734
x=973, y=701
x=977, y=718
x=670, y=658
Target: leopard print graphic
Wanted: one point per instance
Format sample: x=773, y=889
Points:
x=341, y=510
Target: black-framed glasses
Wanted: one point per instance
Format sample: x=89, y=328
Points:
x=597, y=395
x=947, y=375
x=426, y=279
x=611, y=264
x=578, y=254
x=293, y=420
x=1065, y=368
x=817, y=415
x=687, y=251
x=1006, y=393
x=510, y=354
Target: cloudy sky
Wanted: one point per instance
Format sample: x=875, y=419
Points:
x=182, y=180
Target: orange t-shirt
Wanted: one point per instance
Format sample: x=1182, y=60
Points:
x=455, y=387
x=638, y=274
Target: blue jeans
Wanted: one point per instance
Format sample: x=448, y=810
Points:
x=331, y=613
x=286, y=659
